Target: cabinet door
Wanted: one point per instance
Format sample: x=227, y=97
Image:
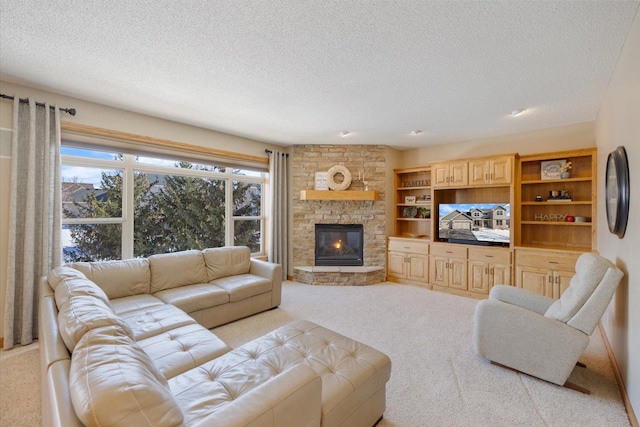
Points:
x=500, y=170
x=561, y=281
x=439, y=270
x=500, y=275
x=396, y=267
x=459, y=173
x=535, y=280
x=458, y=273
x=478, y=172
x=479, y=277
x=440, y=175
x=417, y=267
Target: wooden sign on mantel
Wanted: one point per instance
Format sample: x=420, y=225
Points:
x=338, y=195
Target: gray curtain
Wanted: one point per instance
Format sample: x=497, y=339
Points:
x=34, y=216
x=278, y=219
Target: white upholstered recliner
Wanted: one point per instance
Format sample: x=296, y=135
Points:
x=541, y=336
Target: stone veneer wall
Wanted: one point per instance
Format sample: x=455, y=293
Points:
x=309, y=159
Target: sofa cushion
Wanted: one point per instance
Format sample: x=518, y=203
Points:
x=590, y=269
x=176, y=269
x=227, y=261
x=82, y=313
x=154, y=320
x=118, y=278
x=243, y=286
x=134, y=302
x=114, y=383
x=194, y=297
x=60, y=274
x=71, y=287
x=178, y=350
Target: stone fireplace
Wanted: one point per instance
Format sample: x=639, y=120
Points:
x=339, y=244
x=306, y=160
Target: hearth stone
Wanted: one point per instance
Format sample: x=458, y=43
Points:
x=339, y=276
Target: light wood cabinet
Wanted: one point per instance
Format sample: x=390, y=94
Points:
x=487, y=268
x=542, y=224
x=547, y=273
x=448, y=265
x=408, y=261
x=451, y=174
x=413, y=202
x=495, y=171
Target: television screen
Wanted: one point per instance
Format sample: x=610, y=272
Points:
x=478, y=223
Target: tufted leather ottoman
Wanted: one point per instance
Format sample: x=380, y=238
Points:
x=353, y=375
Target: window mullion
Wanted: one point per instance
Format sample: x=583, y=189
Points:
x=228, y=203
x=128, y=208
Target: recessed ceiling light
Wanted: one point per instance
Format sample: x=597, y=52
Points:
x=518, y=112
x=416, y=132
x=344, y=133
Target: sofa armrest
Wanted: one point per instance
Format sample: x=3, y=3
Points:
x=522, y=298
x=291, y=399
x=271, y=271
x=526, y=341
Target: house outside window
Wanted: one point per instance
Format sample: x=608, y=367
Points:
x=118, y=206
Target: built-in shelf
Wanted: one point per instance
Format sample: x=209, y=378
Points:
x=338, y=195
x=566, y=223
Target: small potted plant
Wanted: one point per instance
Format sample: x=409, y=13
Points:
x=564, y=170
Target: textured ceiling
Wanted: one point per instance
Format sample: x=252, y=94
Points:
x=300, y=72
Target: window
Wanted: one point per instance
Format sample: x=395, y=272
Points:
x=118, y=205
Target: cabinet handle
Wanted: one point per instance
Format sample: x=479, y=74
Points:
x=554, y=262
x=407, y=247
x=492, y=176
x=550, y=279
x=489, y=256
x=486, y=177
x=486, y=270
x=557, y=279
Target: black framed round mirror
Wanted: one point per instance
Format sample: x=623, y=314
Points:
x=617, y=191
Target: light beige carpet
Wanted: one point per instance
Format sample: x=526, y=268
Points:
x=20, y=387
x=436, y=380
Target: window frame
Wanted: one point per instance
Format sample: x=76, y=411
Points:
x=129, y=167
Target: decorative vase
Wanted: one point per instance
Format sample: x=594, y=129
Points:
x=565, y=175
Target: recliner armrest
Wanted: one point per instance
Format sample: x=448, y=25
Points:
x=522, y=298
x=291, y=399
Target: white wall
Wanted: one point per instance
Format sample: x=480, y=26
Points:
x=618, y=123
x=89, y=113
x=569, y=137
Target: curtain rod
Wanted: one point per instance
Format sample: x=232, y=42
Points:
x=71, y=111
x=266, y=150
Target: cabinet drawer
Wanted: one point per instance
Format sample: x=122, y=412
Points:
x=495, y=256
x=550, y=260
x=449, y=251
x=409, y=247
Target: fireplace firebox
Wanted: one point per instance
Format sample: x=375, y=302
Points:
x=339, y=245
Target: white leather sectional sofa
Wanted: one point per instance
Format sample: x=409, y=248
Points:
x=126, y=343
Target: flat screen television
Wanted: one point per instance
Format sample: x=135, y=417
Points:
x=483, y=224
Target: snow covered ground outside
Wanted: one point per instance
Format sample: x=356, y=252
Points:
x=491, y=235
